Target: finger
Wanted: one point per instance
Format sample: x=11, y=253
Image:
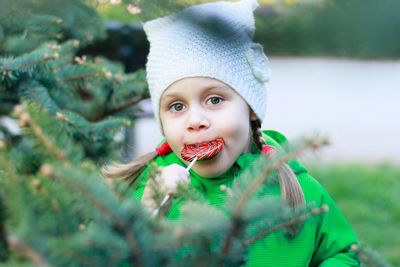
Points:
x=183, y=180
x=184, y=176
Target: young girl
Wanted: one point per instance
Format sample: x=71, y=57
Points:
x=207, y=83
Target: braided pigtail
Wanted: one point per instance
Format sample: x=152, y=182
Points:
x=257, y=136
x=290, y=187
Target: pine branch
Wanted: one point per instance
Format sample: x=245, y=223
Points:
x=26, y=62
x=50, y=172
x=234, y=232
x=314, y=144
x=370, y=257
x=85, y=76
x=26, y=120
x=46, y=57
x=3, y=241
x=24, y=249
x=119, y=108
x=298, y=219
x=121, y=225
x=236, y=216
x=36, y=92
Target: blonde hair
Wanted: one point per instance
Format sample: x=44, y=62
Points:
x=128, y=171
x=291, y=190
x=289, y=185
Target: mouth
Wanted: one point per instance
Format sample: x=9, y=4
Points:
x=202, y=151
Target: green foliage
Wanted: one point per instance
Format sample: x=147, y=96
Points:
x=39, y=21
x=65, y=115
x=64, y=215
x=149, y=9
x=345, y=28
x=39, y=63
x=3, y=235
x=368, y=196
x=116, y=13
x=371, y=258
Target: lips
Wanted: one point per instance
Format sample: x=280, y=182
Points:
x=202, y=151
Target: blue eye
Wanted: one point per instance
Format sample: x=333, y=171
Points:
x=215, y=100
x=176, y=107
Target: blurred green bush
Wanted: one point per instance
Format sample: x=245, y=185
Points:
x=344, y=28
x=369, y=198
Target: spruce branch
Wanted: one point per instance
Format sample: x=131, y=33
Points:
x=19, y=246
x=50, y=172
x=118, y=108
x=85, y=76
x=23, y=62
x=119, y=224
x=126, y=104
x=260, y=179
x=32, y=90
x=370, y=257
x=3, y=235
x=298, y=219
x=276, y=163
x=234, y=232
x=26, y=120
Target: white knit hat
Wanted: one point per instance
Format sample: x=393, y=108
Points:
x=208, y=40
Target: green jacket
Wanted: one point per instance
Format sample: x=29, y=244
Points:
x=324, y=240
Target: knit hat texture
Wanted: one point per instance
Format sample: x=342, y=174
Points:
x=212, y=40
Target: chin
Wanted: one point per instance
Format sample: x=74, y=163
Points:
x=211, y=168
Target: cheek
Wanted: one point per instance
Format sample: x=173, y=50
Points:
x=168, y=125
x=172, y=133
x=242, y=136
x=238, y=129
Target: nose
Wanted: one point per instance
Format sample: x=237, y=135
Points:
x=197, y=120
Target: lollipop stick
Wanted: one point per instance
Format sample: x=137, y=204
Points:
x=157, y=210
x=167, y=197
x=191, y=164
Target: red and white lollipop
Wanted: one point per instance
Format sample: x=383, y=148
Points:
x=202, y=151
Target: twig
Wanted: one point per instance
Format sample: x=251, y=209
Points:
x=124, y=105
x=84, y=76
x=118, y=223
x=120, y=107
x=6, y=71
x=235, y=230
x=18, y=245
x=236, y=221
x=295, y=220
x=275, y=165
x=38, y=132
x=45, y=58
x=369, y=256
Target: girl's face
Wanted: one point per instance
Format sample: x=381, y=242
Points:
x=199, y=109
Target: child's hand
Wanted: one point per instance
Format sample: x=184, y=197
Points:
x=171, y=176
x=166, y=182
